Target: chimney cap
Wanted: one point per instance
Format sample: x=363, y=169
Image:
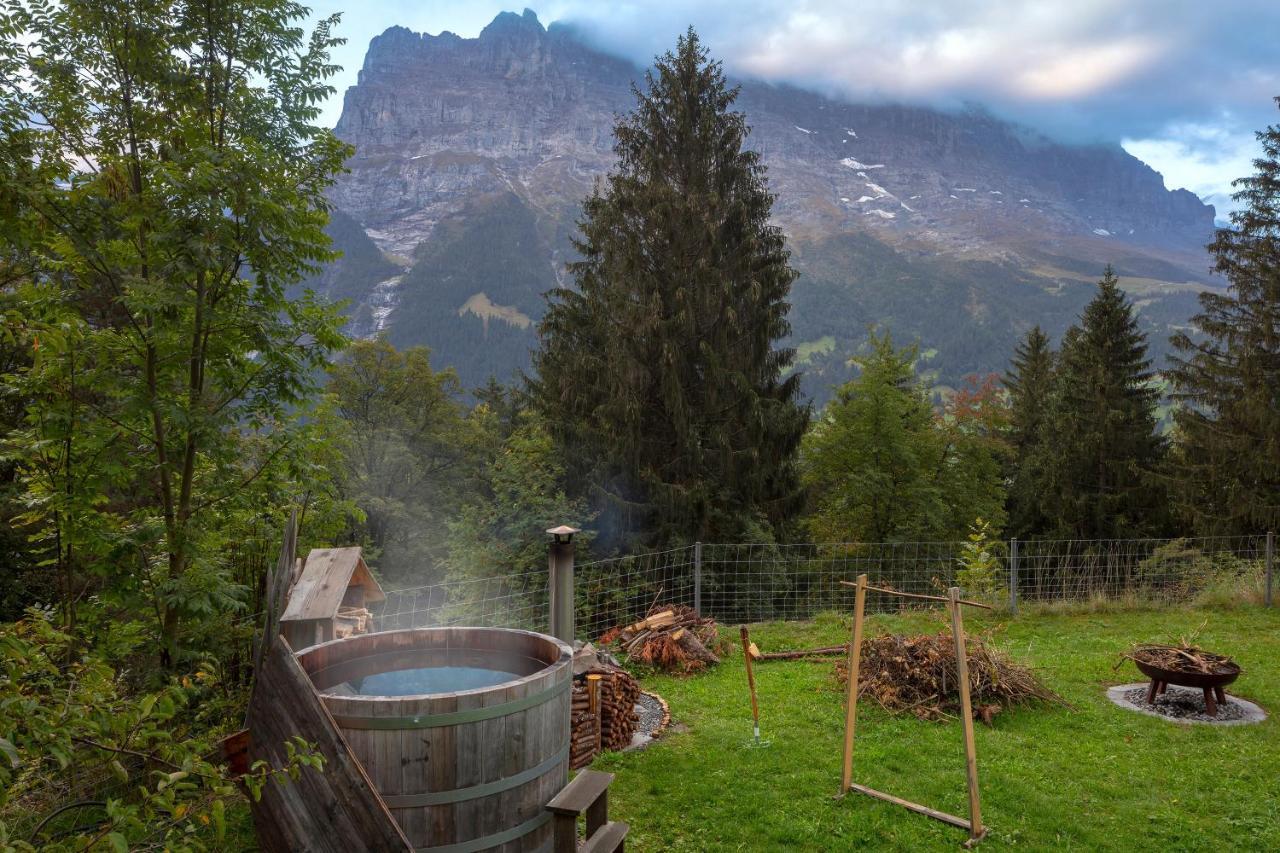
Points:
x=563, y=533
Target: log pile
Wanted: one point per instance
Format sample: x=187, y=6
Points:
x=612, y=723
x=673, y=637
x=918, y=675
x=584, y=728
x=351, y=621
x=619, y=693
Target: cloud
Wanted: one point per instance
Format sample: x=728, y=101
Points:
x=1204, y=158
x=1181, y=80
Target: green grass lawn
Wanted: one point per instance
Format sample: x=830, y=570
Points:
x=1094, y=778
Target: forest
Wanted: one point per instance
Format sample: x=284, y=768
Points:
x=169, y=394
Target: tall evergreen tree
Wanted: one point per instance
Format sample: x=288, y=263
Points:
x=1029, y=381
x=882, y=466
x=1103, y=429
x=1226, y=461
x=659, y=375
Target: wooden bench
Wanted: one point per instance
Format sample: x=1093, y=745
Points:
x=587, y=793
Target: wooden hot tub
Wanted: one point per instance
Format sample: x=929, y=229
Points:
x=463, y=731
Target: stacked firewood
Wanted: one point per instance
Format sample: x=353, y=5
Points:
x=584, y=727
x=351, y=621
x=670, y=637
x=619, y=693
x=613, y=724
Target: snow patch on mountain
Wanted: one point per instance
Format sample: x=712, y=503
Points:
x=855, y=165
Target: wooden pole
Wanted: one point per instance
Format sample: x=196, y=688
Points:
x=593, y=704
x=1013, y=576
x=941, y=598
x=851, y=697
x=751, y=683
x=966, y=713
x=1270, y=560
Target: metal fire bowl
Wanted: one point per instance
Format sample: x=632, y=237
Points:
x=1189, y=679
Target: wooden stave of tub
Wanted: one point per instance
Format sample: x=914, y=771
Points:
x=420, y=756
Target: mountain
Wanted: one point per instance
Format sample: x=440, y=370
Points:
x=955, y=229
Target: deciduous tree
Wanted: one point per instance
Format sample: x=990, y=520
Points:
x=177, y=192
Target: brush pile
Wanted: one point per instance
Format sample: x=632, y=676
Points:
x=614, y=723
x=1182, y=658
x=670, y=638
x=918, y=675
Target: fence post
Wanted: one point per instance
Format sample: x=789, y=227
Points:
x=1271, y=563
x=697, y=576
x=560, y=581
x=1013, y=576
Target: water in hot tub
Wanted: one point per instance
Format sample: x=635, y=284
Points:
x=426, y=679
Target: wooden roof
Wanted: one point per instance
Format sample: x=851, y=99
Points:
x=324, y=581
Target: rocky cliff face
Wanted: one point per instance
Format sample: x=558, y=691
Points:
x=470, y=150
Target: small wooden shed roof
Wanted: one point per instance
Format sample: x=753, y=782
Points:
x=325, y=578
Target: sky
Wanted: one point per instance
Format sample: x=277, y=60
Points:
x=1182, y=84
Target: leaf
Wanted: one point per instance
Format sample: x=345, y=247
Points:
x=219, y=819
x=15, y=759
x=118, y=842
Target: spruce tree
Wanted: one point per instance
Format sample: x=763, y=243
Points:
x=659, y=375
x=1226, y=461
x=1103, y=435
x=1029, y=381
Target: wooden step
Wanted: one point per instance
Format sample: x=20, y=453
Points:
x=608, y=838
x=576, y=797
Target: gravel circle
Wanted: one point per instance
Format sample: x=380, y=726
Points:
x=651, y=713
x=1185, y=704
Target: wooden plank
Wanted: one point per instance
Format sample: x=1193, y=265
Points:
x=579, y=794
x=565, y=834
x=234, y=749
x=800, y=654
x=335, y=810
x=919, y=595
x=966, y=713
x=907, y=804
x=851, y=696
x=279, y=578
x=608, y=839
x=598, y=813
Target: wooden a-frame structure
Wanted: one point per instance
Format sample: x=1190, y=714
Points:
x=953, y=602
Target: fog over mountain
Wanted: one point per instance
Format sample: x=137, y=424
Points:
x=955, y=229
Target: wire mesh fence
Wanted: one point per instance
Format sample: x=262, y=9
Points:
x=1158, y=571
x=771, y=582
